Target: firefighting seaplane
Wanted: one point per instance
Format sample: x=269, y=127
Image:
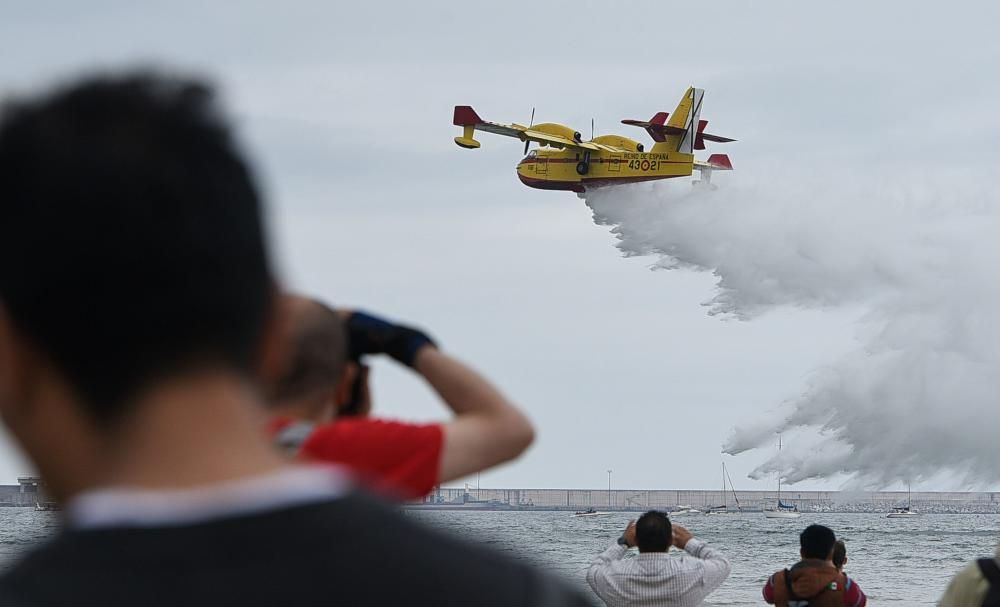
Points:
x=564, y=161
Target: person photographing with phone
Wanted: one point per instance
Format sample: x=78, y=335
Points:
x=654, y=577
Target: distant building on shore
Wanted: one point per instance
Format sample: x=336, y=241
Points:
x=29, y=491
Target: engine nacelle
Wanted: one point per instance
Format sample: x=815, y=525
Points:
x=560, y=130
x=619, y=141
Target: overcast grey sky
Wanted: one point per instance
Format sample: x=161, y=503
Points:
x=346, y=109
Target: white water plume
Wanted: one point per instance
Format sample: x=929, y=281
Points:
x=921, y=393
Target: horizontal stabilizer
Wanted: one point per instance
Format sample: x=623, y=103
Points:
x=702, y=136
x=658, y=130
x=655, y=126
x=716, y=138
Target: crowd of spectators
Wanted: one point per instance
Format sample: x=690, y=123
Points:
x=211, y=436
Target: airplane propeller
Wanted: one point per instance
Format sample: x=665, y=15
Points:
x=591, y=129
x=530, y=124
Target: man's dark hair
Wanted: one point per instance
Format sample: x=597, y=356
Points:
x=817, y=541
x=653, y=532
x=839, y=554
x=131, y=237
x=317, y=355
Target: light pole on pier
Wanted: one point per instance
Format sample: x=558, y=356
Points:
x=609, y=488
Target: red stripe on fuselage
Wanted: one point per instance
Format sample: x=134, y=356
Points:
x=592, y=161
x=582, y=185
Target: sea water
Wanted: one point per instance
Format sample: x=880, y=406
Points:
x=896, y=561
x=22, y=528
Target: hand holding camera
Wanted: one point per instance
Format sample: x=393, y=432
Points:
x=629, y=535
x=369, y=334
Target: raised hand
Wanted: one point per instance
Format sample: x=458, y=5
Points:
x=630, y=534
x=681, y=536
x=368, y=334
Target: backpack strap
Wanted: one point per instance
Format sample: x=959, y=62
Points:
x=788, y=584
x=991, y=571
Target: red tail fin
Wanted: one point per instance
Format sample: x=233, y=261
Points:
x=659, y=119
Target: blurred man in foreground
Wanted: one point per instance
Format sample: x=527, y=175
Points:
x=654, y=577
x=137, y=313
x=976, y=585
x=402, y=460
x=814, y=581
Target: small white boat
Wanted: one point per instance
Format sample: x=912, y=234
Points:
x=906, y=511
x=902, y=512
x=782, y=513
x=684, y=511
x=590, y=512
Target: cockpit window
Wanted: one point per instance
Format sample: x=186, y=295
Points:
x=533, y=154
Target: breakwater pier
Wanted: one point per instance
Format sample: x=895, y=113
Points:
x=929, y=502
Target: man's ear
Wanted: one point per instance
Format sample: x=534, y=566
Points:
x=345, y=385
x=354, y=396
x=275, y=341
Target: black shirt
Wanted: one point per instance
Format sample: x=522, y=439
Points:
x=347, y=551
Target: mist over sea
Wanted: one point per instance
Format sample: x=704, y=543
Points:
x=896, y=561
x=914, y=400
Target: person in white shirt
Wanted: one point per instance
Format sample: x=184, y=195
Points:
x=655, y=577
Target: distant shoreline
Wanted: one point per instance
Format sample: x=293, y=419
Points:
x=638, y=500
x=846, y=510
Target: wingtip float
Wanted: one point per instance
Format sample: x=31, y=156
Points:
x=564, y=161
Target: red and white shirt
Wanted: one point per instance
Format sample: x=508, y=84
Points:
x=395, y=459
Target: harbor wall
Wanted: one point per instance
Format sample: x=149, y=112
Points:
x=645, y=499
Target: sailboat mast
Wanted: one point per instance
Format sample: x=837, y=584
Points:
x=725, y=498
x=779, y=472
x=732, y=488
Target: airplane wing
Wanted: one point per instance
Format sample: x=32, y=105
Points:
x=467, y=117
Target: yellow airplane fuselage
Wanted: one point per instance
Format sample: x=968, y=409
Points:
x=564, y=161
x=553, y=169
